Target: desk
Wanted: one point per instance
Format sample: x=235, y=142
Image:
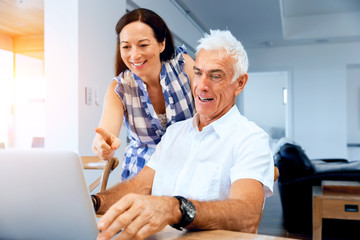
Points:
x=170, y=233
x=333, y=206
x=92, y=162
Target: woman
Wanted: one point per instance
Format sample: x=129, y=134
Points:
x=152, y=90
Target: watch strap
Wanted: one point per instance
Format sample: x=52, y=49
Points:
x=96, y=202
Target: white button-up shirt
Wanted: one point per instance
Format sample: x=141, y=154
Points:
x=203, y=165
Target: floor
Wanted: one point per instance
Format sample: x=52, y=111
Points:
x=272, y=224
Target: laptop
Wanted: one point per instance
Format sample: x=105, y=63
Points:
x=43, y=195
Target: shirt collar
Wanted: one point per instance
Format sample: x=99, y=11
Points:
x=221, y=125
x=227, y=121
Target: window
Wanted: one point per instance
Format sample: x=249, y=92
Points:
x=6, y=95
x=22, y=99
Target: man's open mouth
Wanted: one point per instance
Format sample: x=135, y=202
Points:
x=205, y=99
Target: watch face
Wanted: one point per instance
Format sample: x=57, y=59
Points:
x=190, y=210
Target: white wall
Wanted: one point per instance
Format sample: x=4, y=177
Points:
x=97, y=46
x=268, y=111
x=319, y=92
x=79, y=52
x=61, y=74
x=353, y=111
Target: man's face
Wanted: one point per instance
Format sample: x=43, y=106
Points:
x=214, y=91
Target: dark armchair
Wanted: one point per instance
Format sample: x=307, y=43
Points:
x=297, y=176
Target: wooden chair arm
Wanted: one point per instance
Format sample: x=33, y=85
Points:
x=110, y=165
x=93, y=162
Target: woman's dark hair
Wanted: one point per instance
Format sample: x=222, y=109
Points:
x=158, y=25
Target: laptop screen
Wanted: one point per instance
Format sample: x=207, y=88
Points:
x=44, y=196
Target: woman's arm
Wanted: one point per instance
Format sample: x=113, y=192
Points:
x=113, y=112
x=189, y=65
x=106, y=140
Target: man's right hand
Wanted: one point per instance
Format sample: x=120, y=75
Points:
x=105, y=144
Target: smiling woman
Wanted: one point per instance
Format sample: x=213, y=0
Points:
x=151, y=90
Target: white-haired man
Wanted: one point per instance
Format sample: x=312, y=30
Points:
x=210, y=172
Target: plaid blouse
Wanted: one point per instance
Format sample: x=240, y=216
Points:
x=141, y=120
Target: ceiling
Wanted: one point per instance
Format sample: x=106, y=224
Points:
x=266, y=23
x=22, y=17
x=257, y=23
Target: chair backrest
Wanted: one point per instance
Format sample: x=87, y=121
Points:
x=93, y=162
x=292, y=162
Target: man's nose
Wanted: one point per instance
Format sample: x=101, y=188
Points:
x=203, y=82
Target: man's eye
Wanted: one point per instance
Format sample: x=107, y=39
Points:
x=197, y=73
x=216, y=77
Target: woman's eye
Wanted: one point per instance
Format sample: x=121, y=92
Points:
x=125, y=47
x=144, y=45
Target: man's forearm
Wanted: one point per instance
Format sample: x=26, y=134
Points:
x=141, y=184
x=232, y=214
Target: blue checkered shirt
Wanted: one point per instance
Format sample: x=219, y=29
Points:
x=141, y=120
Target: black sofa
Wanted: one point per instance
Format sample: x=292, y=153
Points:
x=297, y=176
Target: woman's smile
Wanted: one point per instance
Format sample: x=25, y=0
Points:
x=138, y=65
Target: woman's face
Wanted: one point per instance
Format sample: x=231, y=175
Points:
x=140, y=51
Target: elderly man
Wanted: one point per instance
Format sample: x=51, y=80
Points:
x=210, y=172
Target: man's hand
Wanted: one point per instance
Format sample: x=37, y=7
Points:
x=138, y=216
x=105, y=144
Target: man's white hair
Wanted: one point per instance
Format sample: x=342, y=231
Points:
x=219, y=39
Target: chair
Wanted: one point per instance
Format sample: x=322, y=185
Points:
x=38, y=142
x=298, y=174
x=92, y=162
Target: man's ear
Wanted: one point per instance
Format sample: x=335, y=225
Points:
x=241, y=82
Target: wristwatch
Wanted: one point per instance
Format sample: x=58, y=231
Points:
x=188, y=213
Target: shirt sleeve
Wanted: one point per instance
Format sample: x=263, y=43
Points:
x=178, y=62
x=180, y=50
x=253, y=159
